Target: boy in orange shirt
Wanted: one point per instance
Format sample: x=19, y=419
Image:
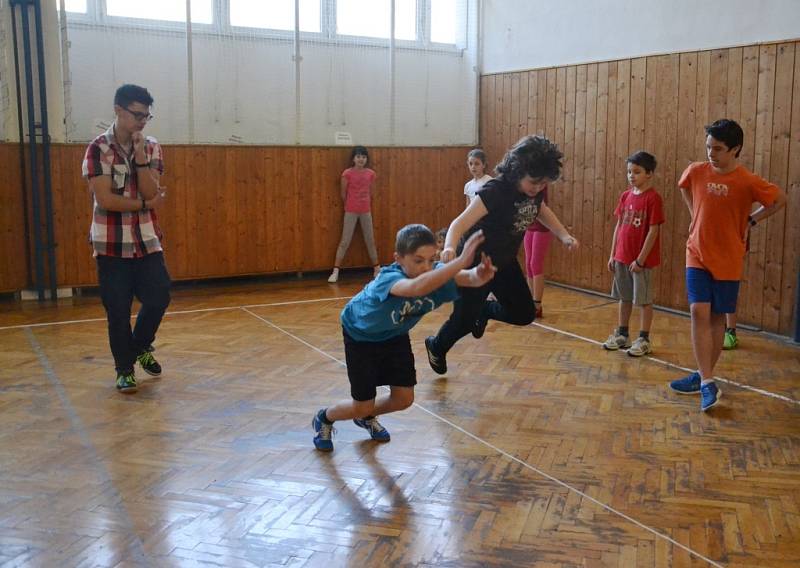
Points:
x=719, y=194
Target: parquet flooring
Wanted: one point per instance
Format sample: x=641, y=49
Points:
x=537, y=449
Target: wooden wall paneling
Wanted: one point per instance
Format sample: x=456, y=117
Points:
x=541, y=100
x=13, y=249
x=531, y=117
x=600, y=252
x=673, y=258
x=507, y=104
x=661, y=104
x=498, y=141
x=778, y=172
x=580, y=266
x=610, y=190
x=516, y=103
x=523, y=105
x=761, y=166
x=791, y=250
x=671, y=133
x=637, y=103
x=227, y=205
x=569, y=149
x=172, y=215
x=240, y=175
x=483, y=106
x=587, y=249
x=557, y=136
x=718, y=84
x=733, y=94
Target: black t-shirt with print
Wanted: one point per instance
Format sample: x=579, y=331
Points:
x=510, y=214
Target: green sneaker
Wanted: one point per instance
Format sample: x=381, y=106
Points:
x=126, y=382
x=149, y=363
x=730, y=341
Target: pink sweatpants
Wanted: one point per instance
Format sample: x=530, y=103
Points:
x=536, y=244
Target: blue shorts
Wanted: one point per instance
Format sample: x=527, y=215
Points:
x=702, y=288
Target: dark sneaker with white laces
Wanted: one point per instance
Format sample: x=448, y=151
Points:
x=709, y=395
x=687, y=385
x=323, y=432
x=371, y=425
x=126, y=382
x=438, y=362
x=148, y=363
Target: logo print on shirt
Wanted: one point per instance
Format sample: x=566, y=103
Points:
x=717, y=189
x=635, y=218
x=412, y=308
x=526, y=214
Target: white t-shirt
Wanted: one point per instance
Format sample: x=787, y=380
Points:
x=473, y=186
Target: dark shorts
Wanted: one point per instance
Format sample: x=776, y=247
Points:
x=701, y=287
x=371, y=364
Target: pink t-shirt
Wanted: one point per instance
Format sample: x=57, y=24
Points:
x=359, y=184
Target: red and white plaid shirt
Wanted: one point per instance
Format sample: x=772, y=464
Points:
x=126, y=234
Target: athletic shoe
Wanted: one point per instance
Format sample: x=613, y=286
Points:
x=126, y=382
x=730, y=341
x=641, y=346
x=149, y=363
x=371, y=425
x=438, y=362
x=323, y=431
x=334, y=276
x=480, y=327
x=687, y=385
x=616, y=341
x=709, y=395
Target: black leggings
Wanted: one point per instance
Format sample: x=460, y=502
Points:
x=514, y=305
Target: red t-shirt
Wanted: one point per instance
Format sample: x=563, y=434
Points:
x=359, y=184
x=637, y=213
x=720, y=206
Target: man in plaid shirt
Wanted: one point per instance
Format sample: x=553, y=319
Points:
x=123, y=168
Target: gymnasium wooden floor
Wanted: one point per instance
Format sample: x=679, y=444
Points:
x=537, y=449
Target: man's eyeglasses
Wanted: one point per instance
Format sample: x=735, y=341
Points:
x=139, y=116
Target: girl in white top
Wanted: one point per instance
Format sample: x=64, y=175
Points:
x=476, y=162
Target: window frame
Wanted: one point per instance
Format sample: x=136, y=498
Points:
x=97, y=15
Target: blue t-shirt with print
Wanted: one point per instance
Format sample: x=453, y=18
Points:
x=375, y=315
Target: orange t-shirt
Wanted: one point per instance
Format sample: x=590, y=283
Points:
x=721, y=204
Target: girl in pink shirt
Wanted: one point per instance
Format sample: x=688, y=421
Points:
x=356, y=189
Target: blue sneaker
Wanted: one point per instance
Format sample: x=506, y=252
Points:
x=687, y=385
x=324, y=432
x=371, y=425
x=709, y=396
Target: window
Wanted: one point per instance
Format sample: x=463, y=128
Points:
x=275, y=14
x=75, y=6
x=164, y=10
x=370, y=18
x=444, y=16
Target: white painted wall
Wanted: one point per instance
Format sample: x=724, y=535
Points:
x=531, y=34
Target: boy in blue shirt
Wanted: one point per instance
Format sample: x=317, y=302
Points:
x=376, y=322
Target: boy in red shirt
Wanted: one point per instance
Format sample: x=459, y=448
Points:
x=719, y=194
x=635, y=252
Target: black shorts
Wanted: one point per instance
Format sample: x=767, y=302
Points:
x=371, y=364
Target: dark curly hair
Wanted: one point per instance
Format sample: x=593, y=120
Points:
x=533, y=156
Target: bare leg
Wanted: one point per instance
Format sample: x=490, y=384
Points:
x=538, y=287
x=400, y=398
x=646, y=317
x=707, y=334
x=625, y=309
